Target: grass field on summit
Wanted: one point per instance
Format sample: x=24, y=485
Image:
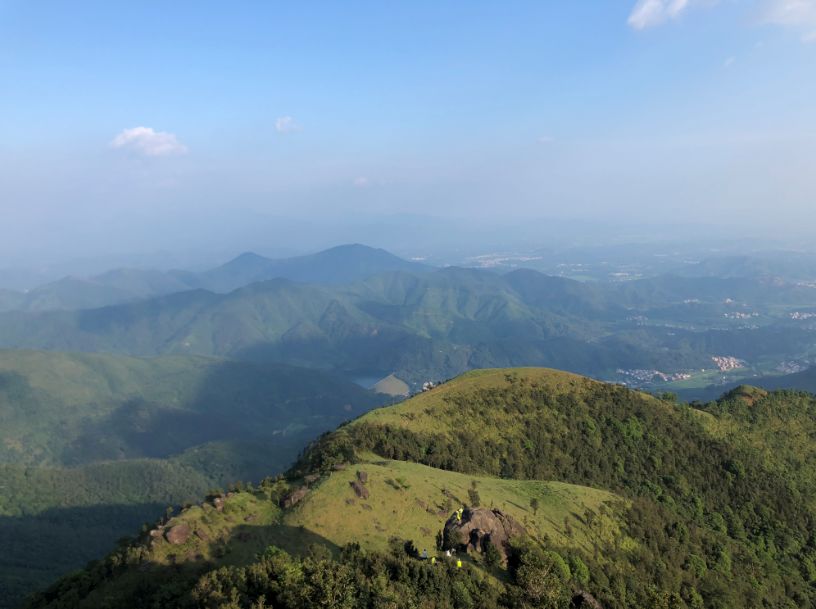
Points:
x=407, y=501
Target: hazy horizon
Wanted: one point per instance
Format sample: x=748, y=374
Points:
x=192, y=127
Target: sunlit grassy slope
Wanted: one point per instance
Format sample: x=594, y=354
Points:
x=411, y=501
x=431, y=412
x=657, y=503
x=408, y=501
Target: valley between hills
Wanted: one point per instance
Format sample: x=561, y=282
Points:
x=154, y=398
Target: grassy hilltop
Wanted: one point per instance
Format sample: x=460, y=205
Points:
x=642, y=502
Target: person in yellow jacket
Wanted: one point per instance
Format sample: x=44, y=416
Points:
x=433, y=560
x=458, y=563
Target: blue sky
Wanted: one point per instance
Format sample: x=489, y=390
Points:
x=624, y=109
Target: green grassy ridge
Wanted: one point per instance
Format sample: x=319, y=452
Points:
x=234, y=536
x=422, y=412
x=408, y=501
x=778, y=426
x=798, y=381
x=704, y=519
x=54, y=520
x=251, y=520
x=669, y=459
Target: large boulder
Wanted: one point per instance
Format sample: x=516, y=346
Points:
x=479, y=527
x=294, y=497
x=178, y=534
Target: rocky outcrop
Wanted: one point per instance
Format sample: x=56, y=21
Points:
x=178, y=534
x=359, y=489
x=294, y=497
x=479, y=527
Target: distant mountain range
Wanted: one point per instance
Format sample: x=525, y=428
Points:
x=435, y=324
x=342, y=264
x=727, y=276
x=133, y=389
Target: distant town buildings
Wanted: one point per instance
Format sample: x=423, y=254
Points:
x=792, y=367
x=739, y=315
x=726, y=362
x=642, y=376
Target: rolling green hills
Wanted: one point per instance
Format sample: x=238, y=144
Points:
x=75, y=408
x=119, y=438
x=797, y=381
x=436, y=325
x=642, y=502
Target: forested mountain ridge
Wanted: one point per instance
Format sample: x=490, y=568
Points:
x=341, y=264
x=636, y=501
x=442, y=323
x=92, y=445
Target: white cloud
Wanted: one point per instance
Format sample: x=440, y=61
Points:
x=791, y=12
x=361, y=182
x=650, y=13
x=730, y=61
x=797, y=15
x=546, y=139
x=286, y=124
x=149, y=142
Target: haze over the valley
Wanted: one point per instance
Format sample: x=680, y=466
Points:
x=440, y=304
x=181, y=135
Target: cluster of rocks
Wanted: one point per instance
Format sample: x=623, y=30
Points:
x=179, y=533
x=294, y=497
x=176, y=534
x=359, y=485
x=479, y=527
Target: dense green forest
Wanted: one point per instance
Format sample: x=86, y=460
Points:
x=705, y=507
x=93, y=445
